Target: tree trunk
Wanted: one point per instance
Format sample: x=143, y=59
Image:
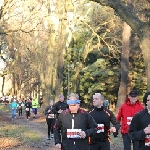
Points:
x=145, y=46
x=124, y=65
x=3, y=85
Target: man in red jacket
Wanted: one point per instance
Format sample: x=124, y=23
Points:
x=126, y=112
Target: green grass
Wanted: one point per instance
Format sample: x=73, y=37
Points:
x=17, y=133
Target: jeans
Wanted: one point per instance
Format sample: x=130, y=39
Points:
x=127, y=142
x=13, y=113
x=34, y=110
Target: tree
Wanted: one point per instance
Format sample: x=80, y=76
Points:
x=138, y=26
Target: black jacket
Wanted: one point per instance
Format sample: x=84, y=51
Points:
x=104, y=117
x=47, y=113
x=136, y=130
x=82, y=120
x=59, y=105
x=28, y=105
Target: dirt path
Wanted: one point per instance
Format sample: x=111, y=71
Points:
x=39, y=126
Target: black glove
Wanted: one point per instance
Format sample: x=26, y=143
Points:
x=115, y=133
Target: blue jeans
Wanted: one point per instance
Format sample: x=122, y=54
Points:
x=127, y=143
x=13, y=113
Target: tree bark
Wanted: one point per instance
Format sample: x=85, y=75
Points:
x=124, y=65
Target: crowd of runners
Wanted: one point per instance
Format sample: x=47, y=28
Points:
x=75, y=128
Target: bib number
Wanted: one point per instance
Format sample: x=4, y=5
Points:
x=129, y=119
x=27, y=109
x=147, y=140
x=100, y=128
x=73, y=133
x=50, y=116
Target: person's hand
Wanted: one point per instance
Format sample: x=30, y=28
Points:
x=147, y=130
x=112, y=129
x=49, y=111
x=60, y=111
x=82, y=134
x=58, y=146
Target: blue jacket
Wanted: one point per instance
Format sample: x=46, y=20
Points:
x=13, y=105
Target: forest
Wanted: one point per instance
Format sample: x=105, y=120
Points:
x=52, y=47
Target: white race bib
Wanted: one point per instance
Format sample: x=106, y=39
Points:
x=50, y=116
x=27, y=109
x=147, y=140
x=73, y=133
x=100, y=128
x=129, y=119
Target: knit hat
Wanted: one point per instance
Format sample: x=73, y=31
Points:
x=145, y=98
x=133, y=93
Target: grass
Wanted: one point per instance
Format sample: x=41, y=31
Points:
x=12, y=134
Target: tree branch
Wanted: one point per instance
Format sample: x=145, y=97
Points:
x=125, y=14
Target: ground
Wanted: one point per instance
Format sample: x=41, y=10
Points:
x=32, y=134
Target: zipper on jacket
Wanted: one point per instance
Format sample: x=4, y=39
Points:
x=73, y=128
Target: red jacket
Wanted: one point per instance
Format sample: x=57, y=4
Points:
x=126, y=112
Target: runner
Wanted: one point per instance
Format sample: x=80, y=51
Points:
x=28, y=106
x=13, y=106
x=75, y=125
x=50, y=119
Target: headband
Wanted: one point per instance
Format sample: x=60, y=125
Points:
x=73, y=102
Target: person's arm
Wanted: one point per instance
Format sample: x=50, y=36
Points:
x=119, y=115
x=46, y=110
x=91, y=125
x=54, y=110
x=114, y=121
x=57, y=130
x=135, y=132
x=116, y=124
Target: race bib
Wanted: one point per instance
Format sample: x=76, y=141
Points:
x=50, y=116
x=147, y=140
x=129, y=119
x=100, y=128
x=73, y=133
x=27, y=109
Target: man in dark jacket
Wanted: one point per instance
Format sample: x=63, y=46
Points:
x=75, y=126
x=103, y=117
x=59, y=106
x=139, y=129
x=126, y=112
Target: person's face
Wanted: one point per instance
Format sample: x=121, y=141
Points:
x=133, y=99
x=61, y=99
x=148, y=101
x=73, y=107
x=97, y=102
x=51, y=103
